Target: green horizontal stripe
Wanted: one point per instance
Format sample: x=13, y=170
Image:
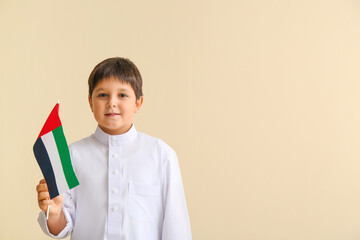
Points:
x=64, y=154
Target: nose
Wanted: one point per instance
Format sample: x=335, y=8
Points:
x=111, y=102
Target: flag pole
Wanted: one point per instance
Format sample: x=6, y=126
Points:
x=47, y=212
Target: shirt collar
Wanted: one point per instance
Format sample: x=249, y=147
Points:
x=121, y=139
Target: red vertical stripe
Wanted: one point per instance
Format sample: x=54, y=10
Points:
x=52, y=122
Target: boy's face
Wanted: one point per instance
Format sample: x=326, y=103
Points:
x=114, y=104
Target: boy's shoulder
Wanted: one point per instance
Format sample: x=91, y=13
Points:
x=155, y=142
x=83, y=142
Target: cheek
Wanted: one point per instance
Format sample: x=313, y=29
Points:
x=97, y=108
x=128, y=108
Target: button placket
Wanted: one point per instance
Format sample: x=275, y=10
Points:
x=117, y=186
x=114, y=183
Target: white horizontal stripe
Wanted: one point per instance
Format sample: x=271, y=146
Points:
x=51, y=148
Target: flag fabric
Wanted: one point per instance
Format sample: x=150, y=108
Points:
x=52, y=154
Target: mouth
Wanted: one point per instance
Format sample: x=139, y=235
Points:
x=112, y=114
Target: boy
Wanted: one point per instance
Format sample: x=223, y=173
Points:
x=130, y=183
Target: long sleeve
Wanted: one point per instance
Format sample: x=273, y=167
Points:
x=176, y=224
x=69, y=211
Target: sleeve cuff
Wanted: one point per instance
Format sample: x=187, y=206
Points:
x=64, y=233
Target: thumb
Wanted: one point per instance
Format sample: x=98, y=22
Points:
x=59, y=199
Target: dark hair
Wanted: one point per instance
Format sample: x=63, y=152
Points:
x=122, y=69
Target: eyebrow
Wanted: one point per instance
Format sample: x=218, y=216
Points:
x=103, y=89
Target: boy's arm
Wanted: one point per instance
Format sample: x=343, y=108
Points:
x=59, y=223
x=176, y=223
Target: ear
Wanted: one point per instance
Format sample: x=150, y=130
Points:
x=90, y=103
x=139, y=103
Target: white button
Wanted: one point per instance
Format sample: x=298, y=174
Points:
x=114, y=190
x=114, y=208
x=113, y=143
x=114, y=155
x=112, y=138
x=114, y=172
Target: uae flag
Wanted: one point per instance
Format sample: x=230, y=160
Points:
x=52, y=154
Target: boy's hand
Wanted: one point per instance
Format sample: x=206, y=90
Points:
x=44, y=199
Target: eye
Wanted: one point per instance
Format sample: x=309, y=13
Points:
x=102, y=95
x=123, y=95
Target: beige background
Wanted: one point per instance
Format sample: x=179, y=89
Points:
x=260, y=99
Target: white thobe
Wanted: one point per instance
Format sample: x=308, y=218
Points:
x=130, y=189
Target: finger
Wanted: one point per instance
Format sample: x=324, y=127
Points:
x=42, y=188
x=43, y=196
x=58, y=199
x=42, y=181
x=44, y=204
